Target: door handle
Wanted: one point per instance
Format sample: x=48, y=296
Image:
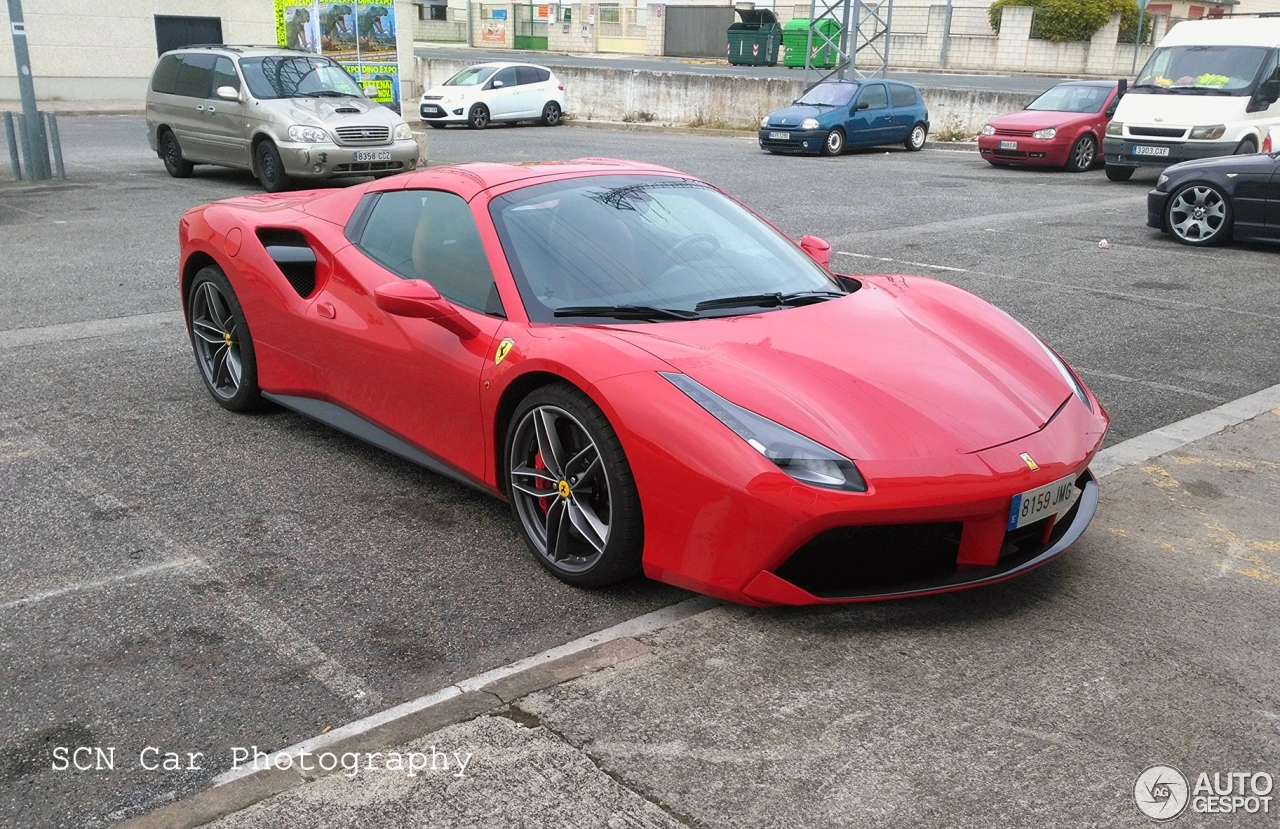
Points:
x=209, y=111
x=326, y=310
x=199, y=107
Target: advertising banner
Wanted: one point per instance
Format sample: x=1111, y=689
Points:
x=359, y=34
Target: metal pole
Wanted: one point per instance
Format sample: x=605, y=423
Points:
x=845, y=37
x=888, y=32
x=42, y=144
x=808, y=47
x=857, y=30
x=12, y=137
x=946, y=36
x=28, y=157
x=26, y=90
x=1136, y=38
x=57, y=145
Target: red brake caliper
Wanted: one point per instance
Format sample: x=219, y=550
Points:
x=538, y=483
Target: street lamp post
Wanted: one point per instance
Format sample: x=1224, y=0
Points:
x=34, y=149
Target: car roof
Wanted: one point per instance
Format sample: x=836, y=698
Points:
x=1105, y=84
x=505, y=64
x=864, y=80
x=469, y=179
x=244, y=51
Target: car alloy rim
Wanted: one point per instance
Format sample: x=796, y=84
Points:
x=1084, y=153
x=560, y=489
x=917, y=137
x=553, y=113
x=1197, y=213
x=478, y=118
x=217, y=348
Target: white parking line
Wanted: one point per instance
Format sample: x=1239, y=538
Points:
x=1212, y=398
x=16, y=337
x=80, y=587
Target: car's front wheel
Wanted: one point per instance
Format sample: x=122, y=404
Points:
x=1083, y=153
x=437, y=125
x=271, y=169
x=174, y=164
x=834, y=142
x=1115, y=173
x=221, y=340
x=1199, y=214
x=551, y=114
x=571, y=488
x=478, y=117
x=915, y=141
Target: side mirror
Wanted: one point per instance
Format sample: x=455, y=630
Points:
x=227, y=93
x=819, y=250
x=371, y=91
x=861, y=105
x=1270, y=90
x=1122, y=86
x=498, y=84
x=416, y=298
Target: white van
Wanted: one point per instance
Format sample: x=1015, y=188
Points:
x=1210, y=88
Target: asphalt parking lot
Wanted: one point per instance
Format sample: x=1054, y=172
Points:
x=180, y=577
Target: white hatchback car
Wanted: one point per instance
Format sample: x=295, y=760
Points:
x=488, y=92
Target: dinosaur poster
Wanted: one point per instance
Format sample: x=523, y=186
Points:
x=359, y=34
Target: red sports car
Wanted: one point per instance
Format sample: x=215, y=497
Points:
x=653, y=377
x=1062, y=128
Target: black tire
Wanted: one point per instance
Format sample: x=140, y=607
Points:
x=1119, y=173
x=1199, y=214
x=574, y=419
x=833, y=144
x=478, y=117
x=1083, y=155
x=220, y=338
x=174, y=164
x=270, y=168
x=1247, y=146
x=437, y=125
x=551, y=114
x=915, y=141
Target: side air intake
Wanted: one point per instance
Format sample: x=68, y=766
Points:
x=293, y=256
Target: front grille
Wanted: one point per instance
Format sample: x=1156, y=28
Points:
x=1011, y=131
x=363, y=136
x=1011, y=153
x=432, y=97
x=849, y=560
x=1158, y=132
x=368, y=167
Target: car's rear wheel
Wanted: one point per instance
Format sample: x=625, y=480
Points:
x=174, y=164
x=1247, y=146
x=551, y=114
x=1119, y=173
x=271, y=169
x=478, y=117
x=833, y=144
x=915, y=141
x=221, y=340
x=1083, y=153
x=1199, y=214
x=571, y=488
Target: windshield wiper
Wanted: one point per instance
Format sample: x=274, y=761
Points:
x=1153, y=86
x=325, y=93
x=768, y=300
x=626, y=312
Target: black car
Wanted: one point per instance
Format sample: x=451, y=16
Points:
x=1209, y=201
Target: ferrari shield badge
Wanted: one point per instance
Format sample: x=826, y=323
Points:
x=1031, y=464
x=504, y=348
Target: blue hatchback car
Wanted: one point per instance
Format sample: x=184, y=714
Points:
x=837, y=114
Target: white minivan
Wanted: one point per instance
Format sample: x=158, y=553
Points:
x=1210, y=88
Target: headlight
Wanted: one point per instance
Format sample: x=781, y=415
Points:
x=1208, y=133
x=402, y=133
x=1115, y=128
x=809, y=124
x=764, y=122
x=803, y=459
x=1160, y=181
x=308, y=135
x=987, y=129
x=1045, y=134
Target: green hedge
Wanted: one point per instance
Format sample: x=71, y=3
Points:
x=1062, y=21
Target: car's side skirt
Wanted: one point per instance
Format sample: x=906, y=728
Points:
x=352, y=424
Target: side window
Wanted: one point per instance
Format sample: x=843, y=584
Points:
x=874, y=97
x=903, y=96
x=544, y=75
x=427, y=234
x=165, y=78
x=224, y=74
x=195, y=76
x=507, y=76
x=526, y=74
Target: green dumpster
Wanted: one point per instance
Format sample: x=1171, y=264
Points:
x=795, y=39
x=756, y=40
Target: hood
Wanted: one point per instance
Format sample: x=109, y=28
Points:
x=899, y=369
x=792, y=116
x=1179, y=109
x=1038, y=119
x=1225, y=163
x=331, y=112
x=452, y=92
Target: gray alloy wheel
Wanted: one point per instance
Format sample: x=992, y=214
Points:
x=271, y=169
x=174, y=164
x=1199, y=214
x=834, y=143
x=1083, y=153
x=551, y=114
x=222, y=343
x=915, y=141
x=478, y=117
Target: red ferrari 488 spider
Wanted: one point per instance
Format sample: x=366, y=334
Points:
x=653, y=377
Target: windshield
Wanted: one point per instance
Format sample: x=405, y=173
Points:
x=1203, y=69
x=1072, y=98
x=639, y=241
x=297, y=77
x=829, y=94
x=471, y=76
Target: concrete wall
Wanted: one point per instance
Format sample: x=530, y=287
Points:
x=725, y=101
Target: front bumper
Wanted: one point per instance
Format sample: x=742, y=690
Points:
x=1030, y=151
x=1157, y=200
x=797, y=141
x=1119, y=151
x=321, y=161
x=440, y=112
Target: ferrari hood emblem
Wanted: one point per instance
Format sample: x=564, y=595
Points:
x=1031, y=464
x=504, y=348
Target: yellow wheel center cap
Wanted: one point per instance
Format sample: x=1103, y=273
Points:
x=227, y=337
x=564, y=489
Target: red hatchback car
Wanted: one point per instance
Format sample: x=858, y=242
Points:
x=1062, y=128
